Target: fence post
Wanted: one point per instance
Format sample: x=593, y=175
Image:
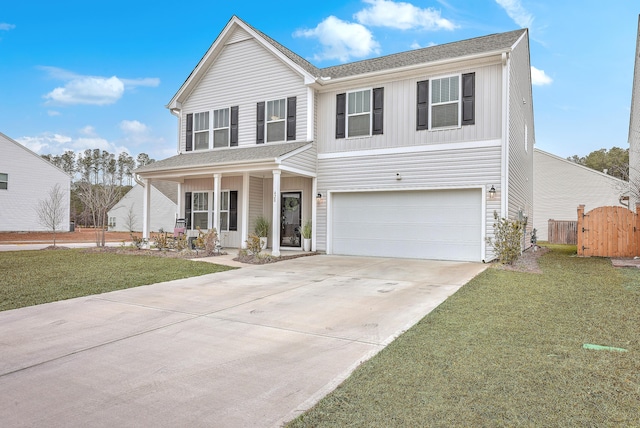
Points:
x=579, y=231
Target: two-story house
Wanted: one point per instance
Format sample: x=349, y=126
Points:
x=406, y=155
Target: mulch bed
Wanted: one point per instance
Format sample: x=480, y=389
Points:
x=527, y=262
x=267, y=258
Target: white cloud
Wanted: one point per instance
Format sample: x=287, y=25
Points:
x=6, y=27
x=539, y=77
x=517, y=12
x=401, y=15
x=341, y=40
x=416, y=45
x=53, y=113
x=133, y=127
x=88, y=130
x=91, y=90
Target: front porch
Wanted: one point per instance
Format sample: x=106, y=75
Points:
x=215, y=191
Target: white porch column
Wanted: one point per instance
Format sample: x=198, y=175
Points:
x=244, y=213
x=314, y=212
x=146, y=210
x=216, y=203
x=180, y=207
x=275, y=236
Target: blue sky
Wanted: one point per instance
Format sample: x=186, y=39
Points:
x=77, y=75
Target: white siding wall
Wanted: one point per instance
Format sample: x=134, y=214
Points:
x=400, y=114
x=163, y=211
x=305, y=161
x=521, y=121
x=634, y=130
x=477, y=167
x=244, y=74
x=560, y=186
x=31, y=178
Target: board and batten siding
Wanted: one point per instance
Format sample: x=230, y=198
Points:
x=561, y=185
x=232, y=80
x=31, y=178
x=432, y=170
x=521, y=130
x=400, y=106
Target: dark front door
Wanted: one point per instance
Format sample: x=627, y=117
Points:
x=291, y=217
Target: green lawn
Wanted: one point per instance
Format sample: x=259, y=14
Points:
x=33, y=277
x=507, y=350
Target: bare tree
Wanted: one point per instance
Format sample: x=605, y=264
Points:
x=99, y=199
x=51, y=211
x=130, y=219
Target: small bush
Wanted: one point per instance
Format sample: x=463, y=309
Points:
x=507, y=239
x=254, y=246
x=208, y=241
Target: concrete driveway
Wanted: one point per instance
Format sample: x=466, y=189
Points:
x=251, y=347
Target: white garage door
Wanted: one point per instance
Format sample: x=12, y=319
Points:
x=439, y=225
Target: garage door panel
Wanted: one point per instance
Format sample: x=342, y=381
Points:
x=416, y=224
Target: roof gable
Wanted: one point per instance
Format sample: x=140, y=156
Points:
x=6, y=140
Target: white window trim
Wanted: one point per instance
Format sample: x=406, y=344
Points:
x=214, y=129
x=431, y=104
x=347, y=115
x=267, y=121
x=209, y=126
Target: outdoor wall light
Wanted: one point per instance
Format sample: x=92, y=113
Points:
x=319, y=196
x=492, y=192
x=398, y=176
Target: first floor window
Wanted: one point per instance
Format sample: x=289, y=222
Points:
x=200, y=210
x=276, y=118
x=221, y=128
x=229, y=210
x=201, y=130
x=4, y=181
x=445, y=102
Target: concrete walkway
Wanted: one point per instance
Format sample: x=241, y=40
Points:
x=253, y=347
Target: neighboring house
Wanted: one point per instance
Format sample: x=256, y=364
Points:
x=25, y=180
x=393, y=156
x=126, y=215
x=634, y=130
x=561, y=185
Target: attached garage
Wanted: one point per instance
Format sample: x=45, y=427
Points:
x=434, y=224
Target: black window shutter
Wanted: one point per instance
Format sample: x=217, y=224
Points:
x=422, y=116
x=378, y=104
x=234, y=127
x=260, y=123
x=189, y=145
x=291, y=118
x=341, y=109
x=233, y=210
x=187, y=210
x=468, y=99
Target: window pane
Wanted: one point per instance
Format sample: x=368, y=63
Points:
x=454, y=88
x=435, y=91
x=359, y=102
x=444, y=115
x=200, y=201
x=359, y=125
x=221, y=138
x=275, y=131
x=201, y=121
x=221, y=118
x=276, y=110
x=224, y=221
x=201, y=140
x=4, y=177
x=224, y=201
x=201, y=220
x=3, y=185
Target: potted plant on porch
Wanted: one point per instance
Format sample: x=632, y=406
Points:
x=262, y=230
x=306, y=236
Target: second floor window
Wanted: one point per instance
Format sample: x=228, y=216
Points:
x=201, y=131
x=221, y=128
x=276, y=117
x=445, y=97
x=4, y=181
x=359, y=113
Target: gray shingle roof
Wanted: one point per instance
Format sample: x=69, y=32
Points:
x=262, y=152
x=478, y=45
x=167, y=188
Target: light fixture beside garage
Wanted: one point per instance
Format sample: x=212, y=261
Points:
x=492, y=192
x=398, y=176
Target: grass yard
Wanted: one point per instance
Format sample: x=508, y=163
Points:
x=34, y=277
x=507, y=350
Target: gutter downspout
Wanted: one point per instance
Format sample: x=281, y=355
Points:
x=504, y=179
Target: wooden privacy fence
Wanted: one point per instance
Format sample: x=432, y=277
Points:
x=608, y=232
x=563, y=232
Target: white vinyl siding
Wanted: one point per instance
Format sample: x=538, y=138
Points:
x=229, y=82
x=29, y=180
x=400, y=114
x=359, y=113
x=128, y=211
x=221, y=128
x=439, y=224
